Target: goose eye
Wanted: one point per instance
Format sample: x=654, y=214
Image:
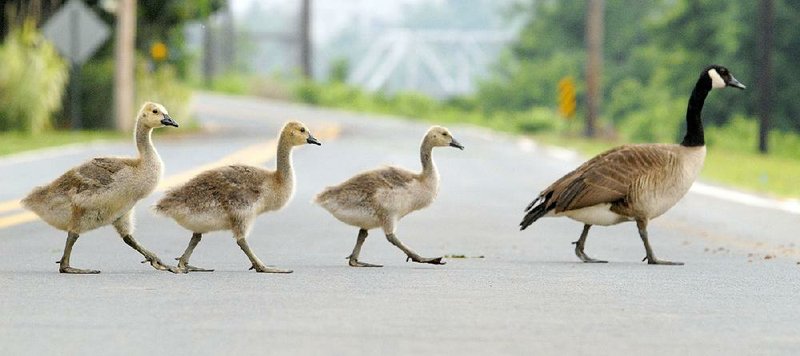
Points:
x=302, y=129
x=155, y=111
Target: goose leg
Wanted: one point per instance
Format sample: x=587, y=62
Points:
x=183, y=261
x=64, y=262
x=651, y=258
x=124, y=226
x=362, y=236
x=579, y=247
x=413, y=256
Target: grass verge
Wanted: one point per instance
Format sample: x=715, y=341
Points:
x=14, y=142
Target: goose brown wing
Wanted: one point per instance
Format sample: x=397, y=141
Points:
x=608, y=178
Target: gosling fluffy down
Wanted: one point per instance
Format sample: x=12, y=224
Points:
x=381, y=197
x=231, y=197
x=103, y=191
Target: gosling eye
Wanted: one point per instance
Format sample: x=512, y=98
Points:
x=155, y=111
x=303, y=129
x=445, y=134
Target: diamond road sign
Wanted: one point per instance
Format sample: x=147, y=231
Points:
x=76, y=31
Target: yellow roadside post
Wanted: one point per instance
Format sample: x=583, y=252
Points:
x=566, y=97
x=159, y=51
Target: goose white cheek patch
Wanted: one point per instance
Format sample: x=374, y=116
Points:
x=716, y=80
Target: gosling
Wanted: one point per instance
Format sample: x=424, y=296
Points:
x=230, y=198
x=103, y=191
x=381, y=197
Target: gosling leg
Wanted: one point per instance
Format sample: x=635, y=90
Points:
x=413, y=256
x=580, y=244
x=651, y=258
x=362, y=236
x=124, y=226
x=149, y=256
x=183, y=261
x=257, y=264
x=64, y=262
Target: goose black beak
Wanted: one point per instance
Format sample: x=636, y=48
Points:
x=313, y=140
x=168, y=121
x=735, y=83
x=455, y=144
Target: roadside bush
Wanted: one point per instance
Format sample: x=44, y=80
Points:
x=741, y=135
x=97, y=94
x=32, y=79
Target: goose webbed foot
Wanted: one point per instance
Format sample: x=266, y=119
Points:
x=428, y=260
x=583, y=256
x=652, y=260
x=264, y=269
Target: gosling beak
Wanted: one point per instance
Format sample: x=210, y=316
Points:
x=168, y=121
x=455, y=144
x=735, y=83
x=313, y=140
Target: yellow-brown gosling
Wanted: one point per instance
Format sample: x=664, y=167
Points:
x=231, y=197
x=633, y=182
x=103, y=191
x=381, y=197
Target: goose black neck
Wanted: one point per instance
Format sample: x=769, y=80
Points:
x=694, y=122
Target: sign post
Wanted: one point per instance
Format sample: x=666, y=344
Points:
x=76, y=32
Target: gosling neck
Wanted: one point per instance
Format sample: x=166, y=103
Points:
x=284, y=159
x=425, y=156
x=694, y=123
x=144, y=143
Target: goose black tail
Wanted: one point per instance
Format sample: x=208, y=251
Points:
x=535, y=210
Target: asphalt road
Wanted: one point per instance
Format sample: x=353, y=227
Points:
x=737, y=294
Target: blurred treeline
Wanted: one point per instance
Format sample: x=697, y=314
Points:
x=33, y=78
x=653, y=52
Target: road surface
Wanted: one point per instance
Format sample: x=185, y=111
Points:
x=737, y=294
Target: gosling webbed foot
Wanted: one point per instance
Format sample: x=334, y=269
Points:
x=652, y=260
x=72, y=270
x=264, y=269
x=190, y=268
x=357, y=263
x=428, y=260
x=185, y=267
x=157, y=264
x=587, y=259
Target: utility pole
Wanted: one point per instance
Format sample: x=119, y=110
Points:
x=124, y=66
x=766, y=22
x=305, y=39
x=594, y=63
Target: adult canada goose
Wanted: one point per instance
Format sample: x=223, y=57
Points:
x=381, y=197
x=633, y=182
x=103, y=191
x=231, y=197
